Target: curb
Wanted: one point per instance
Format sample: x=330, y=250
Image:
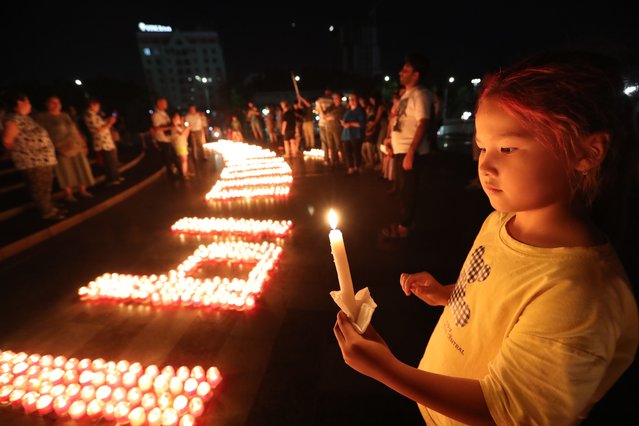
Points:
x=40, y=236
x=8, y=214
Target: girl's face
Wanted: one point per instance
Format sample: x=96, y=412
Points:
x=517, y=172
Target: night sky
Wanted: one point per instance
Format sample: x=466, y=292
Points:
x=98, y=39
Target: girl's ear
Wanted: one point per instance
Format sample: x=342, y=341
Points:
x=594, y=149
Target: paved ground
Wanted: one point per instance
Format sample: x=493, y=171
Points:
x=280, y=361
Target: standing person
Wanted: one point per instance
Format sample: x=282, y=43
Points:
x=308, y=123
x=32, y=152
x=180, y=142
x=270, y=125
x=73, y=169
x=288, y=130
x=353, y=126
x=542, y=321
x=254, y=118
x=196, y=132
x=103, y=144
x=409, y=140
x=236, y=129
x=299, y=120
x=321, y=105
x=161, y=132
x=334, y=114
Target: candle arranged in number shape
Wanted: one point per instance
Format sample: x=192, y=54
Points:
x=341, y=265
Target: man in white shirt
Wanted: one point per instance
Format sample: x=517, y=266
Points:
x=161, y=132
x=409, y=141
x=196, y=135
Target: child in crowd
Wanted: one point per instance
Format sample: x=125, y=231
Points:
x=180, y=141
x=542, y=320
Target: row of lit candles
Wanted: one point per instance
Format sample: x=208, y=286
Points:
x=230, y=225
x=314, y=153
x=120, y=391
x=177, y=288
x=249, y=172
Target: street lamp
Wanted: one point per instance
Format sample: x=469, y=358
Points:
x=205, y=82
x=78, y=83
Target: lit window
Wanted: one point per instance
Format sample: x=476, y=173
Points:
x=147, y=51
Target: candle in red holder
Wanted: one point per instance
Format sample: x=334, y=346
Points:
x=145, y=382
x=190, y=386
x=77, y=410
x=183, y=373
x=154, y=418
x=29, y=402
x=134, y=397
x=181, y=404
x=213, y=376
x=44, y=404
x=196, y=406
x=87, y=393
x=187, y=420
x=169, y=417
x=204, y=391
x=108, y=413
x=61, y=405
x=149, y=401
x=15, y=398
x=121, y=412
x=73, y=391
x=104, y=392
x=137, y=416
x=94, y=409
x=5, y=391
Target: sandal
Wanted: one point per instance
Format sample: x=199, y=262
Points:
x=394, y=231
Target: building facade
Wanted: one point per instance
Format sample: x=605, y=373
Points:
x=183, y=66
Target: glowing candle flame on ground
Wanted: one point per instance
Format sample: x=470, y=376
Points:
x=84, y=401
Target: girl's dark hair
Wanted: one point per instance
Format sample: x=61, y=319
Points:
x=562, y=97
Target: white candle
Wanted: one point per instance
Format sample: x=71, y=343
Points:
x=341, y=265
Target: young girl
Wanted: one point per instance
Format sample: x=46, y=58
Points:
x=542, y=320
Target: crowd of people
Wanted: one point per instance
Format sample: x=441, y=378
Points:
x=48, y=147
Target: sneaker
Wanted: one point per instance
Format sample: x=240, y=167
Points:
x=121, y=179
x=85, y=194
x=71, y=199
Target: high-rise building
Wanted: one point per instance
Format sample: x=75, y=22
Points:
x=183, y=66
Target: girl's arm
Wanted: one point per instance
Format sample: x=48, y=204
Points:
x=458, y=398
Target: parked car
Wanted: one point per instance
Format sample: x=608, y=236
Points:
x=456, y=135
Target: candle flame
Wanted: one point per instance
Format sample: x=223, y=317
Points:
x=332, y=219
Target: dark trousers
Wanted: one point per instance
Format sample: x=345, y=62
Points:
x=40, y=182
x=407, y=185
x=111, y=165
x=353, y=152
x=170, y=158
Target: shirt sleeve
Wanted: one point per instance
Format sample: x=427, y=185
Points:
x=422, y=105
